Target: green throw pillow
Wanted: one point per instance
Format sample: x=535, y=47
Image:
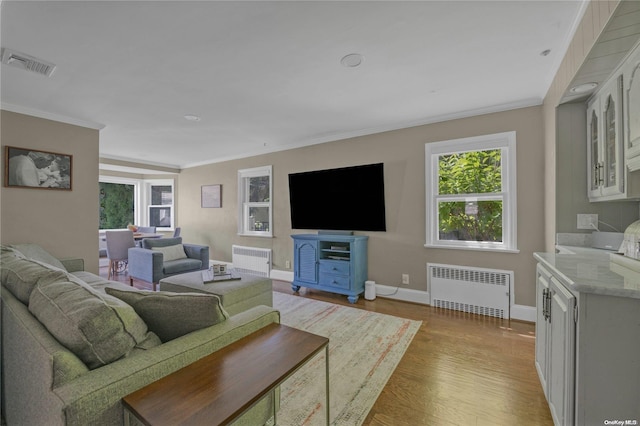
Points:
x=20, y=275
x=171, y=315
x=98, y=328
x=171, y=252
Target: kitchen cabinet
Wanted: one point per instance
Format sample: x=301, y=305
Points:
x=631, y=108
x=555, y=345
x=606, y=173
x=334, y=263
x=587, y=339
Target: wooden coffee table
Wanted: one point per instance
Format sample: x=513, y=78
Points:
x=220, y=387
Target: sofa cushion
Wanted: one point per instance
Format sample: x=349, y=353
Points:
x=20, y=275
x=97, y=328
x=35, y=252
x=169, y=253
x=171, y=315
x=173, y=267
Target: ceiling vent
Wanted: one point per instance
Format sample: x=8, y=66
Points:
x=26, y=62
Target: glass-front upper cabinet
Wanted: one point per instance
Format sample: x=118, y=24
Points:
x=593, y=150
x=631, y=105
x=606, y=148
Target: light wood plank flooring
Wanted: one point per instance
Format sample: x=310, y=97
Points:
x=460, y=369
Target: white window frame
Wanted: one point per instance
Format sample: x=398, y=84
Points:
x=142, y=197
x=244, y=205
x=147, y=201
x=506, y=142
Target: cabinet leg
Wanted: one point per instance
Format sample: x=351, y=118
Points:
x=295, y=288
x=353, y=299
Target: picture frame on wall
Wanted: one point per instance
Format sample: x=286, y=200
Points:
x=31, y=168
x=211, y=196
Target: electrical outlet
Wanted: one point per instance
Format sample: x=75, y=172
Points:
x=287, y=264
x=405, y=279
x=588, y=221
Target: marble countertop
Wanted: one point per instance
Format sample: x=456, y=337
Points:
x=588, y=270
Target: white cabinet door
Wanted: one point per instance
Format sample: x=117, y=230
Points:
x=606, y=171
x=595, y=170
x=631, y=105
x=612, y=141
x=542, y=326
x=561, y=361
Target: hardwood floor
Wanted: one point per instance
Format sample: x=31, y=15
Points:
x=460, y=369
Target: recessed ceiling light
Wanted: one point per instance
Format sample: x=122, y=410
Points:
x=191, y=117
x=352, y=60
x=584, y=88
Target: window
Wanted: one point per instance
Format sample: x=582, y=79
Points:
x=117, y=205
x=160, y=196
x=254, y=201
x=471, y=193
x=125, y=201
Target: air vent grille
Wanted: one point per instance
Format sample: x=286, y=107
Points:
x=27, y=62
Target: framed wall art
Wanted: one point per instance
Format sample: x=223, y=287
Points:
x=211, y=196
x=30, y=168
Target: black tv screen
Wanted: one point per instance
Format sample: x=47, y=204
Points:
x=344, y=199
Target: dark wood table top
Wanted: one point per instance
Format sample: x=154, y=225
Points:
x=219, y=387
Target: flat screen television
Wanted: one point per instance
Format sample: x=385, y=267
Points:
x=344, y=199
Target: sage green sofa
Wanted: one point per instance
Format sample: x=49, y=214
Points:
x=45, y=383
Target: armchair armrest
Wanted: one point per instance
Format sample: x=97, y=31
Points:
x=195, y=251
x=73, y=264
x=145, y=264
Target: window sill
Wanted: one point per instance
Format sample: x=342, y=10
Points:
x=255, y=235
x=493, y=250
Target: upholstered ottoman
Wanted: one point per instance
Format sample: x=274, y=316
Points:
x=236, y=295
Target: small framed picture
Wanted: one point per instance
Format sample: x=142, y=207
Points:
x=211, y=196
x=30, y=168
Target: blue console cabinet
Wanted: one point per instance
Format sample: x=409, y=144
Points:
x=335, y=263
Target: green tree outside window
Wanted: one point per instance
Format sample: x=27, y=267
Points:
x=469, y=173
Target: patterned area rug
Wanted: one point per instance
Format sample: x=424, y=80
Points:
x=364, y=349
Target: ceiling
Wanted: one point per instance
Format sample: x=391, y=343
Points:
x=266, y=76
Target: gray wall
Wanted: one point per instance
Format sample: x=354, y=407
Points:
x=63, y=222
x=401, y=249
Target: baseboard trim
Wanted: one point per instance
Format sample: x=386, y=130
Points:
x=523, y=313
x=403, y=294
x=518, y=312
x=278, y=274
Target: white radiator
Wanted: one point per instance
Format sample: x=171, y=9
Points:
x=251, y=260
x=474, y=290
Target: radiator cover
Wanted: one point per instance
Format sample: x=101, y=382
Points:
x=475, y=290
x=251, y=260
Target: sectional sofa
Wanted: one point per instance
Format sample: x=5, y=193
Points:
x=72, y=347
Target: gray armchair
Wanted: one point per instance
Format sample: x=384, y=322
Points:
x=162, y=257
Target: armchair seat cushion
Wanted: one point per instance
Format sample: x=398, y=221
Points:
x=173, y=267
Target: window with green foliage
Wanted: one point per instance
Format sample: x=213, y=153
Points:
x=254, y=201
x=116, y=205
x=142, y=202
x=471, y=193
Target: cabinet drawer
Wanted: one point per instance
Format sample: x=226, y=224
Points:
x=334, y=267
x=336, y=281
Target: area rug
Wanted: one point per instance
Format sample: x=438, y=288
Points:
x=364, y=350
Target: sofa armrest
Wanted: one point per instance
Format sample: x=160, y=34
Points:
x=146, y=264
x=95, y=398
x=73, y=264
x=199, y=252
